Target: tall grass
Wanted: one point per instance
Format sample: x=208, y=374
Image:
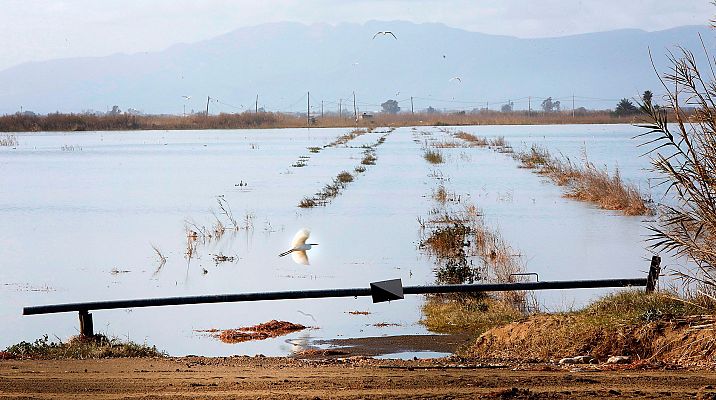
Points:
x=587, y=182
x=685, y=158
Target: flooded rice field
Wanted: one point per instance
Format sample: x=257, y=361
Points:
x=89, y=216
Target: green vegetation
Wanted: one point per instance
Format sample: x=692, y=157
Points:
x=98, y=346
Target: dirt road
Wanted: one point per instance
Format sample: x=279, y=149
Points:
x=285, y=378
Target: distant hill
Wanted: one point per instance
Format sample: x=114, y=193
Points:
x=282, y=61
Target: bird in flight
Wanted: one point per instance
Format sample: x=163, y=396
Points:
x=385, y=33
x=456, y=78
x=299, y=247
x=186, y=97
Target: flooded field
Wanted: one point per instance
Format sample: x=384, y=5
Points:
x=88, y=216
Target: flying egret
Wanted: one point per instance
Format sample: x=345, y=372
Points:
x=186, y=97
x=299, y=247
x=384, y=33
x=456, y=78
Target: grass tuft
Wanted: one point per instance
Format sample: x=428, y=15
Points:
x=98, y=346
x=433, y=156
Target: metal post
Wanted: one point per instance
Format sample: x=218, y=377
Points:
x=654, y=270
x=412, y=111
x=86, y=326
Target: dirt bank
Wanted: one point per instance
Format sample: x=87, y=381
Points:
x=284, y=378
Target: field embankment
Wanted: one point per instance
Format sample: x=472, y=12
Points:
x=647, y=328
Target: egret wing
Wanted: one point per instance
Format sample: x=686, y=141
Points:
x=300, y=257
x=300, y=238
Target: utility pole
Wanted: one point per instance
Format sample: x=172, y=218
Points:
x=529, y=105
x=412, y=111
x=355, y=110
x=207, y=105
x=308, y=110
x=340, y=110
x=572, y=105
x=321, y=108
x=257, y=103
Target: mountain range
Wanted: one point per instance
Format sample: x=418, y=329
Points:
x=282, y=62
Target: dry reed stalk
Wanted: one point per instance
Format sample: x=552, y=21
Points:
x=587, y=183
x=473, y=140
x=685, y=157
x=162, y=257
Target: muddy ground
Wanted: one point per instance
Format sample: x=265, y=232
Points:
x=353, y=378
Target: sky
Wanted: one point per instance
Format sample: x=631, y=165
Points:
x=38, y=30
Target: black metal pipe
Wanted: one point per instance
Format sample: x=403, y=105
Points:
x=505, y=287
x=324, y=293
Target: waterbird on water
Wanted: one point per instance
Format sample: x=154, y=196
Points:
x=385, y=33
x=299, y=247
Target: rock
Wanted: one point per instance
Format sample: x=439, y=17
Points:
x=619, y=360
x=584, y=359
x=577, y=360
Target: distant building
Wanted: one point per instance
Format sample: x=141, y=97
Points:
x=366, y=115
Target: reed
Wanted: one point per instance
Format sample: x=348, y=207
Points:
x=267, y=120
x=684, y=156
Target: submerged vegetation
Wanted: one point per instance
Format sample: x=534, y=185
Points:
x=8, y=140
x=97, y=346
x=433, y=156
x=341, y=181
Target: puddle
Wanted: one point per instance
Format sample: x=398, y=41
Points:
x=412, y=355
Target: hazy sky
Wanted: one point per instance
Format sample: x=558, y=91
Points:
x=47, y=29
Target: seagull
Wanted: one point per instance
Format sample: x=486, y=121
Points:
x=456, y=78
x=186, y=97
x=299, y=247
x=385, y=33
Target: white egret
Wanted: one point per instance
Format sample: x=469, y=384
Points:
x=186, y=97
x=456, y=78
x=385, y=33
x=299, y=247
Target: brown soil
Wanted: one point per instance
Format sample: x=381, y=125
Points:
x=353, y=378
x=263, y=331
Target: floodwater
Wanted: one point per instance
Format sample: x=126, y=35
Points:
x=80, y=213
